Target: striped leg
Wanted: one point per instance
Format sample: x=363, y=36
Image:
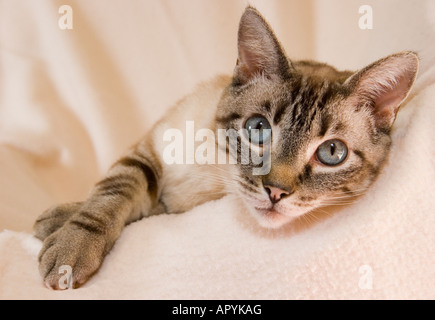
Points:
x=81, y=234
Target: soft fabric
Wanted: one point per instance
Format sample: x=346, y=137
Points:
x=72, y=101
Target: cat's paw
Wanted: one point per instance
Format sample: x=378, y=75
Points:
x=54, y=218
x=70, y=256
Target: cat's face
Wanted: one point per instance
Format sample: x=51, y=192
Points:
x=329, y=130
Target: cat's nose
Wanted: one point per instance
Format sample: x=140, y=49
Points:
x=276, y=193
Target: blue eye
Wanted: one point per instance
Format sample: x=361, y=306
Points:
x=332, y=152
x=259, y=129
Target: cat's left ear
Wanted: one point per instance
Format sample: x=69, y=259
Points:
x=385, y=84
x=260, y=53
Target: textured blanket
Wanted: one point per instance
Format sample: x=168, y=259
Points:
x=73, y=100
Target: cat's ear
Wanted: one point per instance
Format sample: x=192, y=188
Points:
x=260, y=53
x=385, y=84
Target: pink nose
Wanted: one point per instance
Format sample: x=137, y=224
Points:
x=275, y=193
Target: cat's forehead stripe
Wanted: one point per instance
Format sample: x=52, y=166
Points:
x=282, y=106
x=266, y=106
x=324, y=124
x=306, y=99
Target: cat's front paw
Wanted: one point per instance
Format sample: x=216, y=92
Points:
x=54, y=218
x=70, y=256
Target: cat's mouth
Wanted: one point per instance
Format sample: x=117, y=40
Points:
x=267, y=212
x=270, y=217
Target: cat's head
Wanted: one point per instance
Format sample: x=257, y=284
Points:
x=330, y=130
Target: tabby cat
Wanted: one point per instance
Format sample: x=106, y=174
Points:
x=328, y=134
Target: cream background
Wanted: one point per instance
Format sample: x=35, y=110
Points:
x=71, y=101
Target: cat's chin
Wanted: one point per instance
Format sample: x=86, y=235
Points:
x=270, y=218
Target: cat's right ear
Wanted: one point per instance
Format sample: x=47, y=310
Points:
x=260, y=53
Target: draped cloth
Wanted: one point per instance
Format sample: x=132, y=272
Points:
x=73, y=100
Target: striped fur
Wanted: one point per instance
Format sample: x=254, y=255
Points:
x=305, y=102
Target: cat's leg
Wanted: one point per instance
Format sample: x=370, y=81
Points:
x=80, y=235
x=54, y=218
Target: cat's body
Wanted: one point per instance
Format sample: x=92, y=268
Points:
x=329, y=138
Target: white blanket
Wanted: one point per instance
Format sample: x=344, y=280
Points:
x=71, y=101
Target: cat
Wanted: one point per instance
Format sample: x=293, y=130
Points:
x=326, y=133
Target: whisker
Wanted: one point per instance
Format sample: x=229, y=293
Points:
x=312, y=215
